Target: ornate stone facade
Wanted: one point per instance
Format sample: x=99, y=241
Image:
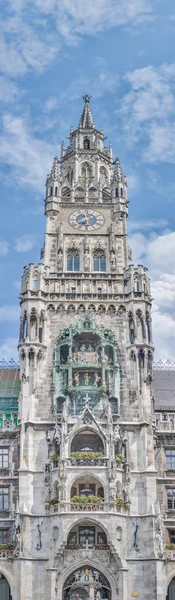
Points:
x=88, y=523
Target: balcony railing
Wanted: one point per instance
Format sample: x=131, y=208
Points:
x=5, y=514
x=87, y=462
x=105, y=507
x=6, y=552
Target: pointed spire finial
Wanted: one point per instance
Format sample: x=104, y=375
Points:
x=86, y=120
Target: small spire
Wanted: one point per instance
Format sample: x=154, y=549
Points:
x=86, y=120
x=117, y=171
x=55, y=169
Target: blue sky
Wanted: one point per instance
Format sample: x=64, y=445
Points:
x=122, y=53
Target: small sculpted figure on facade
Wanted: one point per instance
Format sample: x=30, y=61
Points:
x=60, y=260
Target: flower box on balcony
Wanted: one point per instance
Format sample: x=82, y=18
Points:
x=87, y=499
x=120, y=458
x=121, y=502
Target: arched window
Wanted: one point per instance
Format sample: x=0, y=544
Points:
x=86, y=172
x=86, y=144
x=51, y=191
x=99, y=261
x=116, y=192
x=121, y=192
x=73, y=261
x=103, y=175
x=136, y=284
x=56, y=191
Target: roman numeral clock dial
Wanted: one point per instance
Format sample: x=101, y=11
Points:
x=86, y=220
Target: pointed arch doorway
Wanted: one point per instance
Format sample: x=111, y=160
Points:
x=4, y=588
x=171, y=590
x=86, y=584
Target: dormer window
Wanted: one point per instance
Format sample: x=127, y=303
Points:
x=86, y=144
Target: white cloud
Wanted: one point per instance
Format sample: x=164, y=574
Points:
x=29, y=157
x=148, y=111
x=26, y=242
x=25, y=43
x=4, y=247
x=79, y=17
x=9, y=313
x=8, y=90
x=8, y=349
x=146, y=224
x=32, y=30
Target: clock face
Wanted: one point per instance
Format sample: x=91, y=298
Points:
x=86, y=219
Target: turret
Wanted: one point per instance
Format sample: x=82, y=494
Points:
x=119, y=188
x=53, y=187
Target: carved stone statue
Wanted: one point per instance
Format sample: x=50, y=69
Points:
x=60, y=260
x=86, y=260
x=112, y=490
x=57, y=433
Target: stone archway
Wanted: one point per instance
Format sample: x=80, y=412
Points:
x=171, y=590
x=86, y=583
x=5, y=593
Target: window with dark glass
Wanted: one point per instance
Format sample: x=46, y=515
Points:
x=73, y=261
x=171, y=536
x=86, y=144
x=4, y=498
x=4, y=458
x=171, y=498
x=170, y=459
x=101, y=538
x=72, y=538
x=99, y=261
x=4, y=536
x=87, y=534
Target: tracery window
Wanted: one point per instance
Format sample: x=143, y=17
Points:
x=86, y=172
x=99, y=262
x=103, y=175
x=73, y=261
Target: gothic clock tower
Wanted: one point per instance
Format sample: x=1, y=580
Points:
x=91, y=528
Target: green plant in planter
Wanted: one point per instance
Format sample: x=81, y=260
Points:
x=6, y=546
x=53, y=501
x=87, y=499
x=54, y=457
x=121, y=502
x=86, y=455
x=120, y=457
x=170, y=546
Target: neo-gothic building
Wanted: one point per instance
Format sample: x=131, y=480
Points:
x=90, y=514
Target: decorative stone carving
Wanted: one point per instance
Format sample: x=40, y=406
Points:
x=159, y=532
x=60, y=260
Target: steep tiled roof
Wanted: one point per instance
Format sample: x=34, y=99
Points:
x=164, y=389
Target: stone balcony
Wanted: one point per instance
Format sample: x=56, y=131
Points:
x=7, y=551
x=104, y=507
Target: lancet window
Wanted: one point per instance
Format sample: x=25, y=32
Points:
x=73, y=260
x=99, y=261
x=86, y=172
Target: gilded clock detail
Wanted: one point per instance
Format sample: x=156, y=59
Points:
x=86, y=219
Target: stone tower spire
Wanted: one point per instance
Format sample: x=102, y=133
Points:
x=86, y=120
x=87, y=481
